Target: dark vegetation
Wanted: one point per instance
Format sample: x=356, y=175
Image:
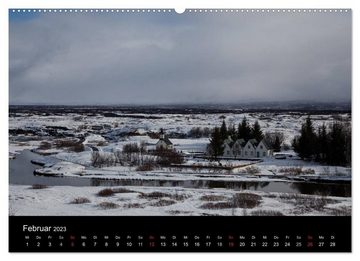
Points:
x=306, y=203
x=44, y=145
x=154, y=194
x=107, y=205
x=342, y=211
x=246, y=200
x=243, y=131
x=198, y=132
x=328, y=144
x=134, y=205
x=123, y=190
x=296, y=171
x=266, y=213
x=110, y=192
x=38, y=186
x=102, y=159
x=74, y=145
x=159, y=195
x=135, y=155
x=166, y=157
x=212, y=198
x=147, y=166
x=106, y=193
x=239, y=200
x=274, y=140
x=163, y=202
x=216, y=205
x=80, y=200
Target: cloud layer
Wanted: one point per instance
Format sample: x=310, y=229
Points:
x=156, y=58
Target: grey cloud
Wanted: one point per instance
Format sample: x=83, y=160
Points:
x=171, y=58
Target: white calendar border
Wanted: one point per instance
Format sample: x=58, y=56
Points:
x=5, y=4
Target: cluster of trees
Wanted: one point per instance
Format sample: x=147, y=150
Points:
x=198, y=132
x=103, y=159
x=132, y=148
x=243, y=131
x=74, y=145
x=328, y=144
x=134, y=155
x=166, y=157
x=274, y=140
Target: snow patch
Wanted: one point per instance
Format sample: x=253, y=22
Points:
x=62, y=168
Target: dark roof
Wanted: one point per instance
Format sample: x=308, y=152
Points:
x=265, y=143
x=254, y=142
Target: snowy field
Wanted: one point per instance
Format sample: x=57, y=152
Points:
x=107, y=135
x=25, y=200
x=265, y=171
x=289, y=124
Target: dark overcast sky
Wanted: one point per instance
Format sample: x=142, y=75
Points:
x=115, y=58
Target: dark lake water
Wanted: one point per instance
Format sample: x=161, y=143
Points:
x=21, y=173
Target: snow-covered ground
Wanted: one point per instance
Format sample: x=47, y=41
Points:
x=62, y=168
x=59, y=200
x=289, y=124
x=267, y=169
x=110, y=134
x=16, y=147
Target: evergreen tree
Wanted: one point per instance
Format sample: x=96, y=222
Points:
x=332, y=147
x=277, y=144
x=256, y=132
x=232, y=132
x=295, y=144
x=305, y=144
x=216, y=147
x=244, y=130
x=337, y=146
x=223, y=131
x=322, y=143
x=347, y=130
x=270, y=139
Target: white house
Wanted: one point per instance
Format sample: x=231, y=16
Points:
x=237, y=148
x=262, y=150
x=228, y=152
x=227, y=147
x=164, y=143
x=250, y=149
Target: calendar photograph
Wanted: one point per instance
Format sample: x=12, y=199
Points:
x=117, y=112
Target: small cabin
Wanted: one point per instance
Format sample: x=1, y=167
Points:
x=164, y=143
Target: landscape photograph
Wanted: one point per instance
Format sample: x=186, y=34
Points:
x=154, y=113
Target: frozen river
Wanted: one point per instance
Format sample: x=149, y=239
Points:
x=21, y=173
